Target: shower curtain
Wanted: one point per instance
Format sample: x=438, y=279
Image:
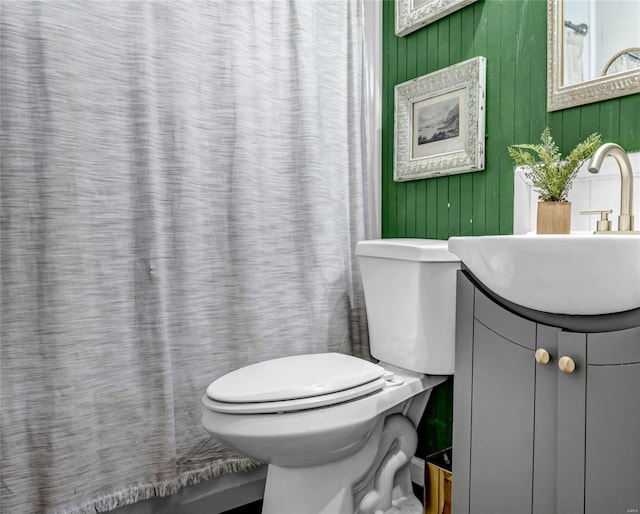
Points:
x=573, y=50
x=182, y=190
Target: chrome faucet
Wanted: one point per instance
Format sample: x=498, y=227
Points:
x=625, y=220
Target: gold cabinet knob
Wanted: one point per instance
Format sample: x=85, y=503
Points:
x=566, y=364
x=542, y=356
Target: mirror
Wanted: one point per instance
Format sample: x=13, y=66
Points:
x=593, y=51
x=624, y=60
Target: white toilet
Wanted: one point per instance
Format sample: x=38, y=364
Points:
x=339, y=432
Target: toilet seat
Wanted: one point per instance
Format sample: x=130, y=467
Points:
x=295, y=383
x=313, y=402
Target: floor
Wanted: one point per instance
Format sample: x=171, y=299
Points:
x=250, y=508
x=256, y=507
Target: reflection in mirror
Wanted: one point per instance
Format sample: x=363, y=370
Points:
x=593, y=51
x=624, y=60
x=594, y=32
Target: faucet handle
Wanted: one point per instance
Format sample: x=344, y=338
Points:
x=603, y=224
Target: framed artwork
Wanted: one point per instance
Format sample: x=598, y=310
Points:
x=412, y=15
x=440, y=122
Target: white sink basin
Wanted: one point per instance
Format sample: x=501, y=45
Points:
x=562, y=274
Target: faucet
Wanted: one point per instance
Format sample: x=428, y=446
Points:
x=625, y=220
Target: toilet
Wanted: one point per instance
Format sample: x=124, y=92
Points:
x=338, y=432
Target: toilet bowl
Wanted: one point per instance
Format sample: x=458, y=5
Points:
x=338, y=432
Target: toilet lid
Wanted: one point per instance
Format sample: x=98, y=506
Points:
x=312, y=402
x=295, y=378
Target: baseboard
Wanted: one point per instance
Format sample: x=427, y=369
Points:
x=224, y=493
x=213, y=496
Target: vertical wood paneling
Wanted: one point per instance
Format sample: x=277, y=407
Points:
x=401, y=190
x=538, y=79
x=570, y=135
x=389, y=79
x=629, y=137
x=589, y=116
x=454, y=206
x=511, y=22
x=480, y=46
x=442, y=229
x=610, y=120
x=512, y=36
x=432, y=185
x=442, y=51
x=410, y=199
x=466, y=34
x=455, y=53
x=494, y=96
x=523, y=61
x=422, y=53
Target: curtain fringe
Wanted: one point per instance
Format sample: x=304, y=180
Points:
x=108, y=502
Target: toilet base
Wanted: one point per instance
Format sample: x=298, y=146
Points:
x=377, y=478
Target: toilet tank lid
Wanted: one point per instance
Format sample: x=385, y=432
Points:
x=420, y=250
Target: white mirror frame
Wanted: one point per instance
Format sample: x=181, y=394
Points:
x=410, y=18
x=596, y=90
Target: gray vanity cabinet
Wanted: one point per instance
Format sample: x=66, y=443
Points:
x=529, y=438
x=599, y=423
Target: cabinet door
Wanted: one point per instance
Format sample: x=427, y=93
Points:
x=599, y=423
x=493, y=407
x=546, y=421
x=462, y=394
x=570, y=433
x=502, y=422
x=612, y=434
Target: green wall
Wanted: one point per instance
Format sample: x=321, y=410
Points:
x=512, y=36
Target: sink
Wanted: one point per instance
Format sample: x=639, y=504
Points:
x=578, y=274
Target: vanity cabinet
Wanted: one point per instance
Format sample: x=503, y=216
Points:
x=530, y=438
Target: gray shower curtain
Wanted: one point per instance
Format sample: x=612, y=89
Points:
x=182, y=190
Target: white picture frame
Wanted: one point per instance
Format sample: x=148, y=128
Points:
x=412, y=15
x=439, y=126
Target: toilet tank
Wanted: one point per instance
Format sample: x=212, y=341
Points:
x=410, y=297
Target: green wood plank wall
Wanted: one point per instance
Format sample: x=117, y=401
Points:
x=512, y=36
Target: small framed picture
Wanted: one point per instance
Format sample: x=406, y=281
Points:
x=440, y=122
x=412, y=15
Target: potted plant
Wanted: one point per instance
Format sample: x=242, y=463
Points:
x=551, y=177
